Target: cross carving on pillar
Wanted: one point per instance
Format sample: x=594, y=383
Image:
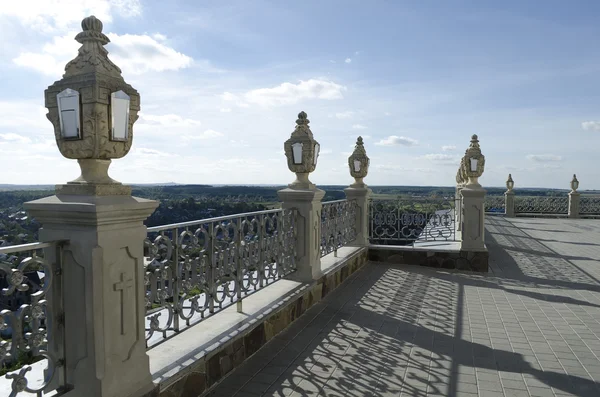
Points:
x=123, y=287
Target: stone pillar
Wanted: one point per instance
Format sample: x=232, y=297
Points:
x=509, y=203
x=308, y=244
x=361, y=195
x=473, y=229
x=93, y=110
x=574, y=204
x=302, y=152
x=104, y=290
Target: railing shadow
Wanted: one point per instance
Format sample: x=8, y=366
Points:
x=411, y=331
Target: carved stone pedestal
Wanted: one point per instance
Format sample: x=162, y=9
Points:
x=473, y=229
x=105, y=352
x=308, y=204
x=361, y=195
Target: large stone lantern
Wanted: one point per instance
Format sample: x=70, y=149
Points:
x=474, y=162
x=302, y=152
x=93, y=110
x=358, y=162
x=101, y=229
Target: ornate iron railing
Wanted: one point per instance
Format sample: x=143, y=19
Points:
x=26, y=328
x=589, y=205
x=541, y=205
x=495, y=204
x=338, y=225
x=413, y=220
x=197, y=268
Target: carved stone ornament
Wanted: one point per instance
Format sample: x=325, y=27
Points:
x=510, y=184
x=95, y=78
x=472, y=157
x=358, y=162
x=574, y=184
x=307, y=152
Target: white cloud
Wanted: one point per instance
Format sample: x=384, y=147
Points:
x=289, y=93
x=400, y=168
x=591, y=125
x=206, y=134
x=387, y=114
x=448, y=148
x=53, y=15
x=344, y=115
x=141, y=53
x=12, y=137
x=168, y=120
x=397, y=140
x=359, y=127
x=225, y=110
x=228, y=96
x=543, y=158
x=159, y=37
x=134, y=54
x=442, y=158
x=150, y=152
x=348, y=60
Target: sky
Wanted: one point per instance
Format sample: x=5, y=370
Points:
x=221, y=83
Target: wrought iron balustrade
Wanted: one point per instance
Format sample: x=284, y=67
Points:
x=194, y=269
x=541, y=205
x=495, y=204
x=589, y=205
x=26, y=319
x=411, y=220
x=338, y=225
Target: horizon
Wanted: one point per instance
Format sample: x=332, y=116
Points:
x=221, y=84
x=168, y=184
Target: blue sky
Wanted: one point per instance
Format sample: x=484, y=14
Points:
x=221, y=83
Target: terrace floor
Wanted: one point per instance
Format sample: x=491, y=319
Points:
x=531, y=327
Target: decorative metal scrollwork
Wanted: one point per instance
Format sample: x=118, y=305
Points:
x=194, y=269
x=589, y=205
x=26, y=320
x=495, y=204
x=541, y=205
x=338, y=225
x=408, y=221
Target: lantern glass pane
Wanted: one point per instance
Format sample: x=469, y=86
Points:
x=297, y=152
x=357, y=165
x=473, y=164
x=68, y=112
x=119, y=103
x=317, y=150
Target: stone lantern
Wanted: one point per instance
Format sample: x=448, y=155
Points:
x=92, y=110
x=358, y=162
x=302, y=152
x=574, y=184
x=474, y=162
x=510, y=184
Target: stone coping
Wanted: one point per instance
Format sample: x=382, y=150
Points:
x=197, y=359
x=452, y=246
x=445, y=257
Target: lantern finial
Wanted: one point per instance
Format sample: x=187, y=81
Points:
x=358, y=162
x=302, y=152
x=302, y=119
x=93, y=111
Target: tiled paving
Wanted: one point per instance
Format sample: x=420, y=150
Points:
x=531, y=327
